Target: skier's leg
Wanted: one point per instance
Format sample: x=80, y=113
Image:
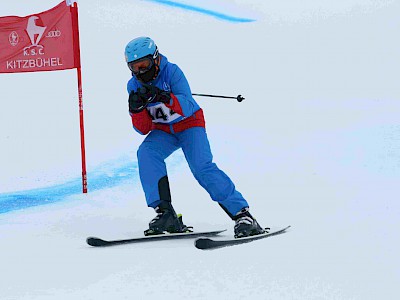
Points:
x=197, y=151
x=156, y=147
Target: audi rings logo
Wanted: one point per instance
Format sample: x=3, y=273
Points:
x=54, y=34
x=13, y=38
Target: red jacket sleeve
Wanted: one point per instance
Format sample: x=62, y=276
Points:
x=142, y=122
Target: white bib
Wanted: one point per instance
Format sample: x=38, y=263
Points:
x=161, y=114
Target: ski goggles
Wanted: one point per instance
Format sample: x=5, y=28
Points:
x=141, y=66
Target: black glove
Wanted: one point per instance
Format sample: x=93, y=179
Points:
x=137, y=102
x=159, y=95
x=146, y=94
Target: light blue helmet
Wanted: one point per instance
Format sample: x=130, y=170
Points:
x=139, y=48
x=143, y=49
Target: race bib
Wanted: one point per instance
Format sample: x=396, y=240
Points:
x=161, y=114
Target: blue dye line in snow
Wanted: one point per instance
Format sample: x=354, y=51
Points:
x=204, y=11
x=96, y=181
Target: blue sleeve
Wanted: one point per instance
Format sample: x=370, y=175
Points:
x=132, y=85
x=181, y=89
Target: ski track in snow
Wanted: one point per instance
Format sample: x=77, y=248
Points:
x=98, y=180
x=213, y=13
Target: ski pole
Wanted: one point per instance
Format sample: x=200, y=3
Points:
x=239, y=98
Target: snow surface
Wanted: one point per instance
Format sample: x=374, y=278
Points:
x=315, y=145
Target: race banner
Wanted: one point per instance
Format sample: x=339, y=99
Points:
x=45, y=41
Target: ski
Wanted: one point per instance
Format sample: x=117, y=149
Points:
x=98, y=242
x=209, y=244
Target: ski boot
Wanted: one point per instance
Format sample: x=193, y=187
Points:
x=245, y=224
x=166, y=220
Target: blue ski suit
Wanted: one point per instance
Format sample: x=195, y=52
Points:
x=175, y=125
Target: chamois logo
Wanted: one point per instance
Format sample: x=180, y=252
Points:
x=35, y=30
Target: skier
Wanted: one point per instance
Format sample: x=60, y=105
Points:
x=161, y=105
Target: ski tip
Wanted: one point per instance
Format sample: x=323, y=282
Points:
x=202, y=243
x=272, y=230
x=95, y=242
x=90, y=241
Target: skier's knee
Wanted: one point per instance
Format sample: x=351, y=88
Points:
x=143, y=151
x=201, y=169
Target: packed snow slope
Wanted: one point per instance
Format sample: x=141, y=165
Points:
x=315, y=145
